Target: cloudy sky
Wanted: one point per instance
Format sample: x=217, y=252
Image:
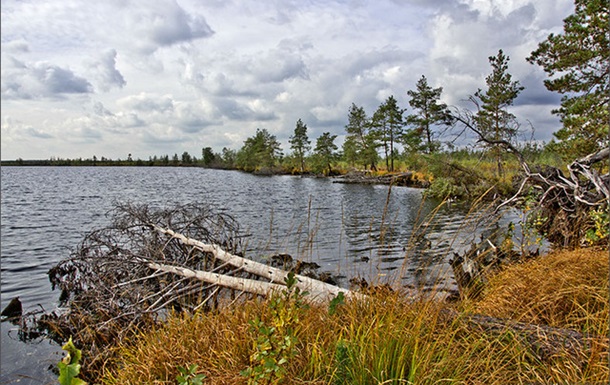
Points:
x=154, y=77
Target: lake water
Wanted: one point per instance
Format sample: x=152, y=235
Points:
x=349, y=230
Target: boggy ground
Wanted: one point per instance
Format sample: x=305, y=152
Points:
x=387, y=338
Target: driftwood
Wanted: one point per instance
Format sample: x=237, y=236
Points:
x=319, y=291
x=396, y=179
x=544, y=342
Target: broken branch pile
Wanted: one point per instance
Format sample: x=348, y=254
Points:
x=150, y=262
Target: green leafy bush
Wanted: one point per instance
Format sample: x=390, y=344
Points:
x=276, y=342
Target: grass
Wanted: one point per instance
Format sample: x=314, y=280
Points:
x=389, y=339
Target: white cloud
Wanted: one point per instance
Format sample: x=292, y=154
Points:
x=161, y=23
x=22, y=80
x=148, y=103
x=106, y=73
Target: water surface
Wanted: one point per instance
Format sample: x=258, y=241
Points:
x=350, y=230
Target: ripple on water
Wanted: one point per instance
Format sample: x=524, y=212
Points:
x=46, y=211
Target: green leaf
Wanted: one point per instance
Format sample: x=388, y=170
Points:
x=69, y=366
x=335, y=303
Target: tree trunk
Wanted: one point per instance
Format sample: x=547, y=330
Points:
x=544, y=341
x=242, y=284
x=319, y=290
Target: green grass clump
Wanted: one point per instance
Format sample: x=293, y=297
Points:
x=391, y=339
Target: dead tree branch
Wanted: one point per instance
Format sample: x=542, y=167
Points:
x=562, y=198
x=150, y=262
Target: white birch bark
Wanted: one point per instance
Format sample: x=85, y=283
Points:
x=318, y=290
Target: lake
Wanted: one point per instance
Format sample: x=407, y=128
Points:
x=349, y=230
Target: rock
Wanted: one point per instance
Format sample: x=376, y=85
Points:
x=12, y=310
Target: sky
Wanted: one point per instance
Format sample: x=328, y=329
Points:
x=154, y=77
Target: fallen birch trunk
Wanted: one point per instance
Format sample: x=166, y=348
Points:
x=242, y=284
x=318, y=291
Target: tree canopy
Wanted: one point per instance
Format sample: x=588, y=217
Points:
x=578, y=64
x=428, y=113
x=260, y=150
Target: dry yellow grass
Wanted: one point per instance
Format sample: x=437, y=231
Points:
x=388, y=339
x=566, y=289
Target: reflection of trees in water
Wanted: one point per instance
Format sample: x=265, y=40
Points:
x=384, y=234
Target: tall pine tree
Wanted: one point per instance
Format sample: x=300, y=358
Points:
x=493, y=120
x=360, y=144
x=300, y=143
x=387, y=124
x=325, y=152
x=428, y=113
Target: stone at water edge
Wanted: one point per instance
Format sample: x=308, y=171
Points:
x=12, y=310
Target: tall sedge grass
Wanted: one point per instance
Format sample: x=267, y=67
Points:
x=567, y=289
x=391, y=339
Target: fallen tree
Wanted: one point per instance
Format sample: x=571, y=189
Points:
x=319, y=292
x=150, y=262
x=568, y=210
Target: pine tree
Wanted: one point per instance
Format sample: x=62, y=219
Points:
x=259, y=151
x=325, y=151
x=387, y=124
x=428, y=113
x=360, y=144
x=493, y=119
x=300, y=143
x=578, y=64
